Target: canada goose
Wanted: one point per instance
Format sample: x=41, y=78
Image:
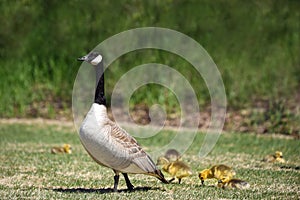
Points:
x=176, y=169
x=222, y=173
x=277, y=157
x=66, y=148
x=107, y=143
x=234, y=183
x=172, y=155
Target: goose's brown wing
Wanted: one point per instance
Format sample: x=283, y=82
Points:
x=127, y=143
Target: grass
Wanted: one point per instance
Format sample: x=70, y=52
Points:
x=29, y=171
x=254, y=44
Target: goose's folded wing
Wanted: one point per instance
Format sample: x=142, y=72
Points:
x=134, y=151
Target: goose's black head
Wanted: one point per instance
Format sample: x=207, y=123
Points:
x=93, y=58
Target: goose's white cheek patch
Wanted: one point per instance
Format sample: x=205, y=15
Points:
x=97, y=60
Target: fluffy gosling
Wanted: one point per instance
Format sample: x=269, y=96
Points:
x=177, y=169
x=66, y=148
x=222, y=173
x=277, y=157
x=172, y=155
x=235, y=184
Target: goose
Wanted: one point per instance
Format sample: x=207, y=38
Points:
x=107, y=143
x=277, y=157
x=176, y=168
x=222, y=173
x=234, y=183
x=172, y=155
x=66, y=148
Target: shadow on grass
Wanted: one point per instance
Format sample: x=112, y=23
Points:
x=293, y=167
x=100, y=190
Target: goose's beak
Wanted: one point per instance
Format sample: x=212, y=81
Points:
x=82, y=58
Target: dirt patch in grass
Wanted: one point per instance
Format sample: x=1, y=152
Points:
x=262, y=117
x=35, y=121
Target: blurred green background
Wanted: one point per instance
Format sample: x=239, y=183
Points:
x=255, y=45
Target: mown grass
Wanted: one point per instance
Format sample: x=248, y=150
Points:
x=29, y=170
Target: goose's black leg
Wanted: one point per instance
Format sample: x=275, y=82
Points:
x=129, y=185
x=116, y=179
x=172, y=179
x=179, y=180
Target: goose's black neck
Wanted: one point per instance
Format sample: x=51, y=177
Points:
x=99, y=94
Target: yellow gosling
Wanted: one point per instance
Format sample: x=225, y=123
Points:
x=172, y=155
x=66, y=148
x=277, y=157
x=235, y=184
x=177, y=169
x=222, y=173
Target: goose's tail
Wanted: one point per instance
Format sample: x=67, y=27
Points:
x=160, y=176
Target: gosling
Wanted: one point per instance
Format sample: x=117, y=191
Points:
x=235, y=184
x=177, y=169
x=172, y=155
x=277, y=157
x=66, y=148
x=222, y=173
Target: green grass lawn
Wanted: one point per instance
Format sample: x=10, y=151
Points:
x=29, y=171
x=255, y=45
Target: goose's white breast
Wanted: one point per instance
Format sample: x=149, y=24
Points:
x=97, y=140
